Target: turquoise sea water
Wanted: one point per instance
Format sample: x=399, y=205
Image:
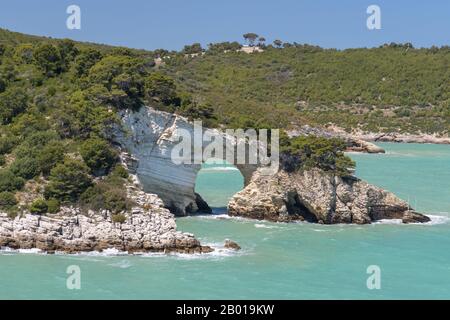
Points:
x=279, y=261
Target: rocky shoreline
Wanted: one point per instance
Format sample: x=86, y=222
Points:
x=149, y=227
x=402, y=138
x=146, y=145
x=396, y=137
x=312, y=196
x=360, y=141
x=318, y=197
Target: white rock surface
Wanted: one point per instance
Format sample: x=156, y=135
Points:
x=148, y=227
x=318, y=197
x=149, y=138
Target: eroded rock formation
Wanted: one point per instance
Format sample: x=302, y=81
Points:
x=318, y=197
x=149, y=227
x=149, y=136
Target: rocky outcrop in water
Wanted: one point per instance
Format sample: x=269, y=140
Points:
x=315, y=196
x=149, y=227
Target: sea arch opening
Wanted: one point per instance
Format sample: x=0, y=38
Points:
x=216, y=182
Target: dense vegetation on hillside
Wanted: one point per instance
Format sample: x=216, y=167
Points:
x=59, y=101
x=394, y=87
x=57, y=106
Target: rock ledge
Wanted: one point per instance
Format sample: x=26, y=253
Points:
x=149, y=227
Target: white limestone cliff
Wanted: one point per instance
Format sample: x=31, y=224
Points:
x=148, y=137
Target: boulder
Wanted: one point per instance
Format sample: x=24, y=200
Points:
x=229, y=244
x=414, y=217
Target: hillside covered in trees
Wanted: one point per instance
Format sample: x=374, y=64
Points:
x=390, y=88
x=59, y=101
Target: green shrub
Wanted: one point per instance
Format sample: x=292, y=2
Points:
x=23, y=53
x=82, y=117
x=49, y=156
x=7, y=144
x=192, y=49
x=161, y=88
x=53, y=205
x=2, y=160
x=105, y=196
x=109, y=193
x=7, y=200
x=39, y=206
x=116, y=200
x=84, y=61
x=120, y=171
x=3, y=85
x=47, y=58
x=307, y=152
x=122, y=76
x=13, y=212
x=10, y=182
x=68, y=52
x=26, y=168
x=12, y=103
x=68, y=180
x=38, y=139
x=29, y=123
x=118, y=218
x=98, y=155
x=195, y=111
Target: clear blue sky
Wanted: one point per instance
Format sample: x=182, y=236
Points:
x=170, y=24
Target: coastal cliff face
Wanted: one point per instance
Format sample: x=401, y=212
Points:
x=315, y=196
x=149, y=227
x=149, y=136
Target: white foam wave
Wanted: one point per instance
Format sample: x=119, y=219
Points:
x=218, y=253
x=124, y=264
x=265, y=226
x=7, y=250
x=110, y=252
x=219, y=169
x=32, y=251
x=220, y=216
x=389, y=221
x=435, y=220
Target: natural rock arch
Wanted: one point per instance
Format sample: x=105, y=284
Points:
x=147, y=138
x=212, y=188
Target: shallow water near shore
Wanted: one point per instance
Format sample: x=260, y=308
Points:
x=277, y=260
